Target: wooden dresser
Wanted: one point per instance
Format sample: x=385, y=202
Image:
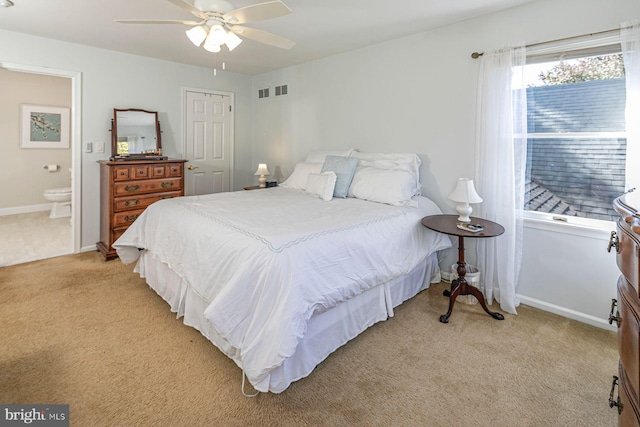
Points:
x=127, y=188
x=626, y=243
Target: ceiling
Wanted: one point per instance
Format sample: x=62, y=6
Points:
x=320, y=28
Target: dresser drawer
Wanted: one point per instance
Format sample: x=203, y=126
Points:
x=174, y=169
x=126, y=218
x=121, y=173
x=627, y=257
x=629, y=412
x=129, y=203
x=132, y=172
x=117, y=232
x=149, y=186
x=629, y=333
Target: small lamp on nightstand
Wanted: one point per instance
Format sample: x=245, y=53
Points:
x=263, y=172
x=464, y=193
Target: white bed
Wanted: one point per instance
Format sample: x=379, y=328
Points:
x=278, y=279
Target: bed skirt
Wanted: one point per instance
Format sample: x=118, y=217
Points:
x=326, y=332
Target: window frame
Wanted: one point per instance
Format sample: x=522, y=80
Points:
x=590, y=45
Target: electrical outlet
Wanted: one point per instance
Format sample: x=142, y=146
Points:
x=99, y=147
x=88, y=148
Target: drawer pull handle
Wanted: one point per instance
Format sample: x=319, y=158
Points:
x=616, y=402
x=613, y=241
x=132, y=202
x=615, y=318
x=131, y=187
x=131, y=218
x=167, y=184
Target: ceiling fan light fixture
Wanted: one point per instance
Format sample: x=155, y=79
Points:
x=210, y=46
x=232, y=40
x=6, y=3
x=197, y=34
x=217, y=35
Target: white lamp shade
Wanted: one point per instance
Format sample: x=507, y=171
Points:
x=262, y=170
x=218, y=35
x=211, y=46
x=233, y=41
x=465, y=192
x=197, y=35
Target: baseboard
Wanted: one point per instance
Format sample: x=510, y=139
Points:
x=25, y=209
x=566, y=312
x=90, y=248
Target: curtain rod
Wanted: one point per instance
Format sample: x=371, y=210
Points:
x=476, y=55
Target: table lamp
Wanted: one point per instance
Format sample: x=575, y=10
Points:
x=263, y=172
x=464, y=193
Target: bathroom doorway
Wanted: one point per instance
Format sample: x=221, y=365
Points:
x=29, y=229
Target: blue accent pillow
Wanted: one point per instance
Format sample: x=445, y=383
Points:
x=344, y=168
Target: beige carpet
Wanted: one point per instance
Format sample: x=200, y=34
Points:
x=91, y=334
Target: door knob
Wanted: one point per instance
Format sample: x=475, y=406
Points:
x=191, y=167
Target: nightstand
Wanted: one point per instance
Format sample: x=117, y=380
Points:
x=255, y=187
x=447, y=224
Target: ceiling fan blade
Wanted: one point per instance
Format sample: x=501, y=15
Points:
x=156, y=21
x=189, y=8
x=263, y=37
x=257, y=12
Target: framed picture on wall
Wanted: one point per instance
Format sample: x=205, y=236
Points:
x=44, y=126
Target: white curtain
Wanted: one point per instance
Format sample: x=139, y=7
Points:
x=501, y=146
x=630, y=41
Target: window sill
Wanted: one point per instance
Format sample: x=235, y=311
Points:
x=592, y=228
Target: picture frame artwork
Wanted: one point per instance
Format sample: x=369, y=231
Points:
x=44, y=126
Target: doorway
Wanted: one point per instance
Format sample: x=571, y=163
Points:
x=34, y=244
x=208, y=141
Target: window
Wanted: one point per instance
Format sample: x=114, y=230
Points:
x=576, y=140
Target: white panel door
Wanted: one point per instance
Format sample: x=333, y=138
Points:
x=207, y=143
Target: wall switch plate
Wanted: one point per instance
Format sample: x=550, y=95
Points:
x=88, y=148
x=99, y=147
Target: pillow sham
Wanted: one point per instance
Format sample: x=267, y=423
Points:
x=321, y=185
x=394, y=161
x=391, y=186
x=319, y=156
x=298, y=178
x=344, y=168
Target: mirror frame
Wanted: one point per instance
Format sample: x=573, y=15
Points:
x=134, y=156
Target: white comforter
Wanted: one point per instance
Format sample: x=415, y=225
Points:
x=268, y=260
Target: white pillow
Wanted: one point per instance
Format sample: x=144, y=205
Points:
x=321, y=184
x=319, y=156
x=298, y=178
x=391, y=186
x=394, y=161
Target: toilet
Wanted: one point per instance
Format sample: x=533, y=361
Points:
x=61, y=198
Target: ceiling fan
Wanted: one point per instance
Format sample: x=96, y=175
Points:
x=219, y=23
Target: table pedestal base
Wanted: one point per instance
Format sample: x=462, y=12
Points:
x=460, y=286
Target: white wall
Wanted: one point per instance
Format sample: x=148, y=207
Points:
x=115, y=80
x=418, y=94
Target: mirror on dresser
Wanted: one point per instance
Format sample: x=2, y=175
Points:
x=135, y=135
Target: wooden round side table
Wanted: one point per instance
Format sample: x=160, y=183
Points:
x=448, y=224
